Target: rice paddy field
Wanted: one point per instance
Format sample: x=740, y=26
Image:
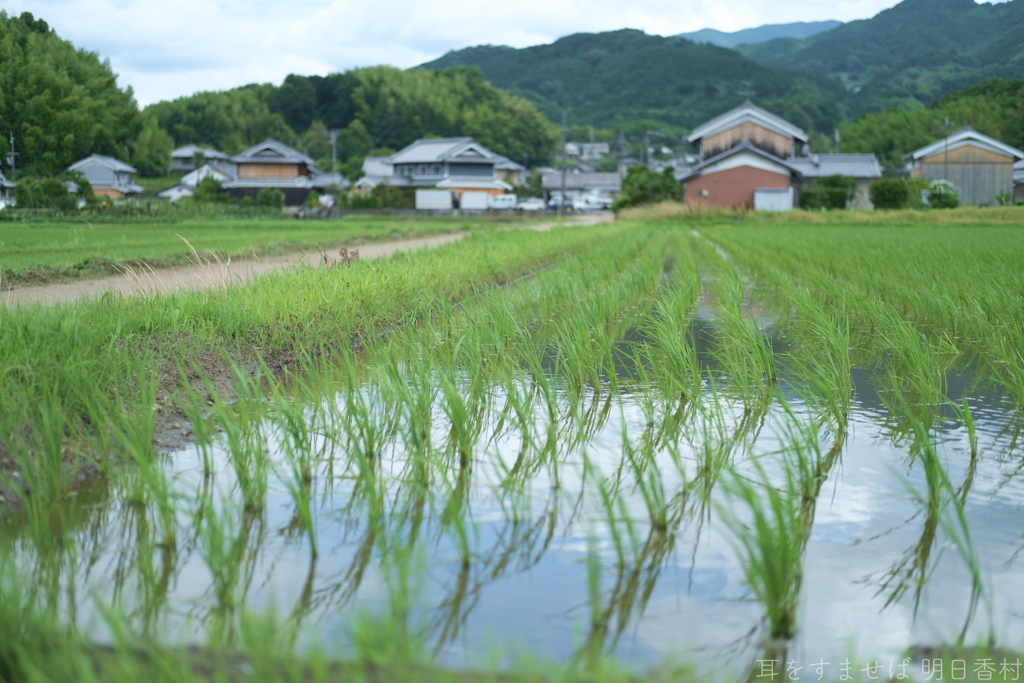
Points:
x=41, y=251
x=643, y=450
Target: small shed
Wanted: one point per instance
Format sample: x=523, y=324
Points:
x=981, y=167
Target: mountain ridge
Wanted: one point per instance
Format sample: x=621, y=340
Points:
x=761, y=34
x=611, y=78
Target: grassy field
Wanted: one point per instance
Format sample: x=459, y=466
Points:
x=805, y=420
x=41, y=251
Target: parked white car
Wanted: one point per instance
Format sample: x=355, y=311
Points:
x=572, y=204
x=503, y=202
x=531, y=204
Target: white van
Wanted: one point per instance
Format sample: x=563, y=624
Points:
x=503, y=201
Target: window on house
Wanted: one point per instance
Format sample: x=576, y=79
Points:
x=435, y=169
x=422, y=170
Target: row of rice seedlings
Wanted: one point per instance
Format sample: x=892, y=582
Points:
x=915, y=378
x=963, y=290
x=743, y=348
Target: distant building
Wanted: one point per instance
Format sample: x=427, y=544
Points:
x=750, y=123
x=183, y=158
x=456, y=164
x=272, y=164
x=593, y=151
x=329, y=182
x=748, y=158
x=606, y=185
x=187, y=185
x=981, y=167
x=1018, y=182
x=6, y=191
x=376, y=170
x=864, y=168
x=509, y=171
x=108, y=176
x=743, y=176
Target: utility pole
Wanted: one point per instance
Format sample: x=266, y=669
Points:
x=565, y=125
x=11, y=157
x=945, y=157
x=837, y=141
x=334, y=150
x=647, y=149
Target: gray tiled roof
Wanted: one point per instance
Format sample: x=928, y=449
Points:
x=272, y=151
x=506, y=164
x=189, y=151
x=441, y=149
x=325, y=180
x=855, y=165
x=377, y=167
x=102, y=160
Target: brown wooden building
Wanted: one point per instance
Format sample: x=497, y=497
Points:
x=272, y=164
x=981, y=167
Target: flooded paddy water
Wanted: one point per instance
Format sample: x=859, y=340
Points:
x=564, y=512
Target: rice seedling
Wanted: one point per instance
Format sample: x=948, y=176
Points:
x=770, y=537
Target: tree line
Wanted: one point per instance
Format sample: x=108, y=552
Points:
x=63, y=103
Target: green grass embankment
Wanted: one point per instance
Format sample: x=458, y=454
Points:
x=45, y=252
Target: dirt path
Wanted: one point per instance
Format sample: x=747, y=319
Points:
x=216, y=274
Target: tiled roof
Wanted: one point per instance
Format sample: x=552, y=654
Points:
x=102, y=160
x=854, y=165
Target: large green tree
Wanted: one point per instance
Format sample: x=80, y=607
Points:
x=60, y=103
x=231, y=121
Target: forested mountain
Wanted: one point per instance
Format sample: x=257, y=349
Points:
x=63, y=104
x=761, y=34
x=609, y=79
x=374, y=108
x=910, y=54
x=995, y=108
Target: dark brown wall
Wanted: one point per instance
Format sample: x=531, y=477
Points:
x=734, y=188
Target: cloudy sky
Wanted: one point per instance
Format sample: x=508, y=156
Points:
x=168, y=49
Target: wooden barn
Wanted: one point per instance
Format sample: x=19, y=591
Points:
x=981, y=167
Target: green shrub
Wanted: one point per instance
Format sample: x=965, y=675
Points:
x=209, y=189
x=391, y=197
x=918, y=192
x=943, y=195
x=313, y=200
x=44, y=193
x=356, y=201
x=889, y=193
x=829, y=192
x=270, y=197
x=643, y=186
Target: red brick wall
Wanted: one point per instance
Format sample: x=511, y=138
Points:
x=733, y=188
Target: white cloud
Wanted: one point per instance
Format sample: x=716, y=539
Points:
x=166, y=50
